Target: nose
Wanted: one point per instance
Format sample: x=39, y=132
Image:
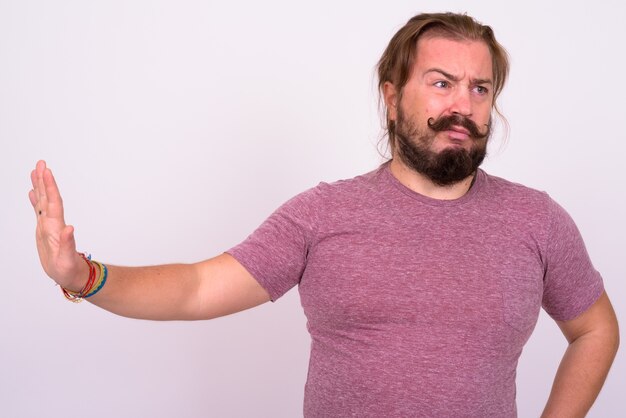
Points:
x=461, y=103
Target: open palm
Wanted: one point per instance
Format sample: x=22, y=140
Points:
x=55, y=239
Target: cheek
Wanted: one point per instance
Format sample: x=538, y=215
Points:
x=484, y=110
x=434, y=108
x=484, y=117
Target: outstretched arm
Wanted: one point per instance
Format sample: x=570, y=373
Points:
x=593, y=339
x=208, y=289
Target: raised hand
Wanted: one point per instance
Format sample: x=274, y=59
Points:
x=55, y=239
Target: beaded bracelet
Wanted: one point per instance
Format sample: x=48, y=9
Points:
x=78, y=296
x=104, y=272
x=92, y=286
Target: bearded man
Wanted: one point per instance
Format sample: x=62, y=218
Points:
x=421, y=280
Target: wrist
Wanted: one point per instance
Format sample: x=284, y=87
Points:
x=79, y=276
x=96, y=278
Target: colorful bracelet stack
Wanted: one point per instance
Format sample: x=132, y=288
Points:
x=93, y=284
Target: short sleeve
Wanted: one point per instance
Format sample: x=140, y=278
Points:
x=571, y=283
x=276, y=252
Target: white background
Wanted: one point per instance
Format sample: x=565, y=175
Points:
x=175, y=127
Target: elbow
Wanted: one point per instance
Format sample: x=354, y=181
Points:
x=616, y=338
x=610, y=338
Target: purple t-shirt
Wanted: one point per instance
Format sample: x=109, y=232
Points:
x=417, y=306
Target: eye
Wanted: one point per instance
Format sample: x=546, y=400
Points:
x=442, y=84
x=482, y=90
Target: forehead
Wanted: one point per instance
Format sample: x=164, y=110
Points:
x=462, y=58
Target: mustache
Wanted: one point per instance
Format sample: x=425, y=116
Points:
x=444, y=123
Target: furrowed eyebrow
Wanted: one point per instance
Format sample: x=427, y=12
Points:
x=478, y=81
x=474, y=81
x=442, y=72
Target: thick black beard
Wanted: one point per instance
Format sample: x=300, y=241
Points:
x=449, y=166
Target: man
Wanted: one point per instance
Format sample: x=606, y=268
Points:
x=421, y=281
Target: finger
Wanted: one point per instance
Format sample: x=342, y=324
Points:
x=33, y=199
x=34, y=193
x=36, y=176
x=53, y=196
x=33, y=178
x=40, y=166
x=40, y=189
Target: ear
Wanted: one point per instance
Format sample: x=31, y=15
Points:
x=390, y=94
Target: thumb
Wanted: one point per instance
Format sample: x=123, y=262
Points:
x=67, y=243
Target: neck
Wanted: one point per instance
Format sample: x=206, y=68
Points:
x=424, y=186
